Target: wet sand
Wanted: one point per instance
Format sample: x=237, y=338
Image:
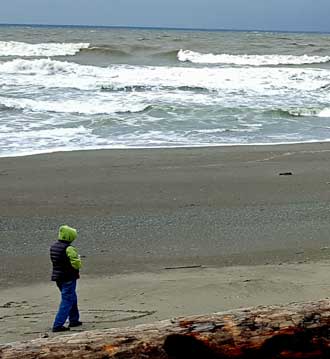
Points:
x=140, y=211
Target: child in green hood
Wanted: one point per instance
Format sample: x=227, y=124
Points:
x=66, y=264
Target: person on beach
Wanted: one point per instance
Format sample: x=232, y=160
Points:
x=66, y=264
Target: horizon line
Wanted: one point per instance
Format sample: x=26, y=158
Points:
x=164, y=28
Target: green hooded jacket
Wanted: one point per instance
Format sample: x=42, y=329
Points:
x=69, y=234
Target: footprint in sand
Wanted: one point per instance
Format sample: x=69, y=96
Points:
x=13, y=304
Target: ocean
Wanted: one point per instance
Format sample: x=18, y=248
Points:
x=73, y=88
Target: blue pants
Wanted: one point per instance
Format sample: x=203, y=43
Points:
x=69, y=304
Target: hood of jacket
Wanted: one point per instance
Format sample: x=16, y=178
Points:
x=67, y=234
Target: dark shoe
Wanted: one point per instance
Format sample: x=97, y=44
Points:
x=75, y=324
x=60, y=329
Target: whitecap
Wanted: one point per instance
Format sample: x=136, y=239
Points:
x=23, y=49
x=90, y=107
x=324, y=113
x=51, y=73
x=308, y=112
x=249, y=60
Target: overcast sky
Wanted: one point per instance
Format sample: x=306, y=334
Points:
x=289, y=15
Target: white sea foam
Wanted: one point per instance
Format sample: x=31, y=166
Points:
x=48, y=105
x=309, y=112
x=324, y=113
x=78, y=88
x=83, y=106
x=44, y=67
x=249, y=60
x=30, y=141
x=50, y=73
x=23, y=49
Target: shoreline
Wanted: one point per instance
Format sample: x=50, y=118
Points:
x=201, y=147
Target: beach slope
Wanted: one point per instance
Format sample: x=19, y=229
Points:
x=145, y=212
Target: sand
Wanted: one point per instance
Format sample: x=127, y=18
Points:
x=259, y=237
x=127, y=299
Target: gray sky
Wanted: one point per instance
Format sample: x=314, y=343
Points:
x=289, y=15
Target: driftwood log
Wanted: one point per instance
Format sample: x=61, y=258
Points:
x=297, y=330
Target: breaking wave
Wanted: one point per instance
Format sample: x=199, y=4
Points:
x=249, y=60
x=49, y=73
x=307, y=112
x=300, y=112
x=93, y=107
x=143, y=88
x=44, y=67
x=23, y=49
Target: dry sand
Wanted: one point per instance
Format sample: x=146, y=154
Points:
x=260, y=237
x=27, y=312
